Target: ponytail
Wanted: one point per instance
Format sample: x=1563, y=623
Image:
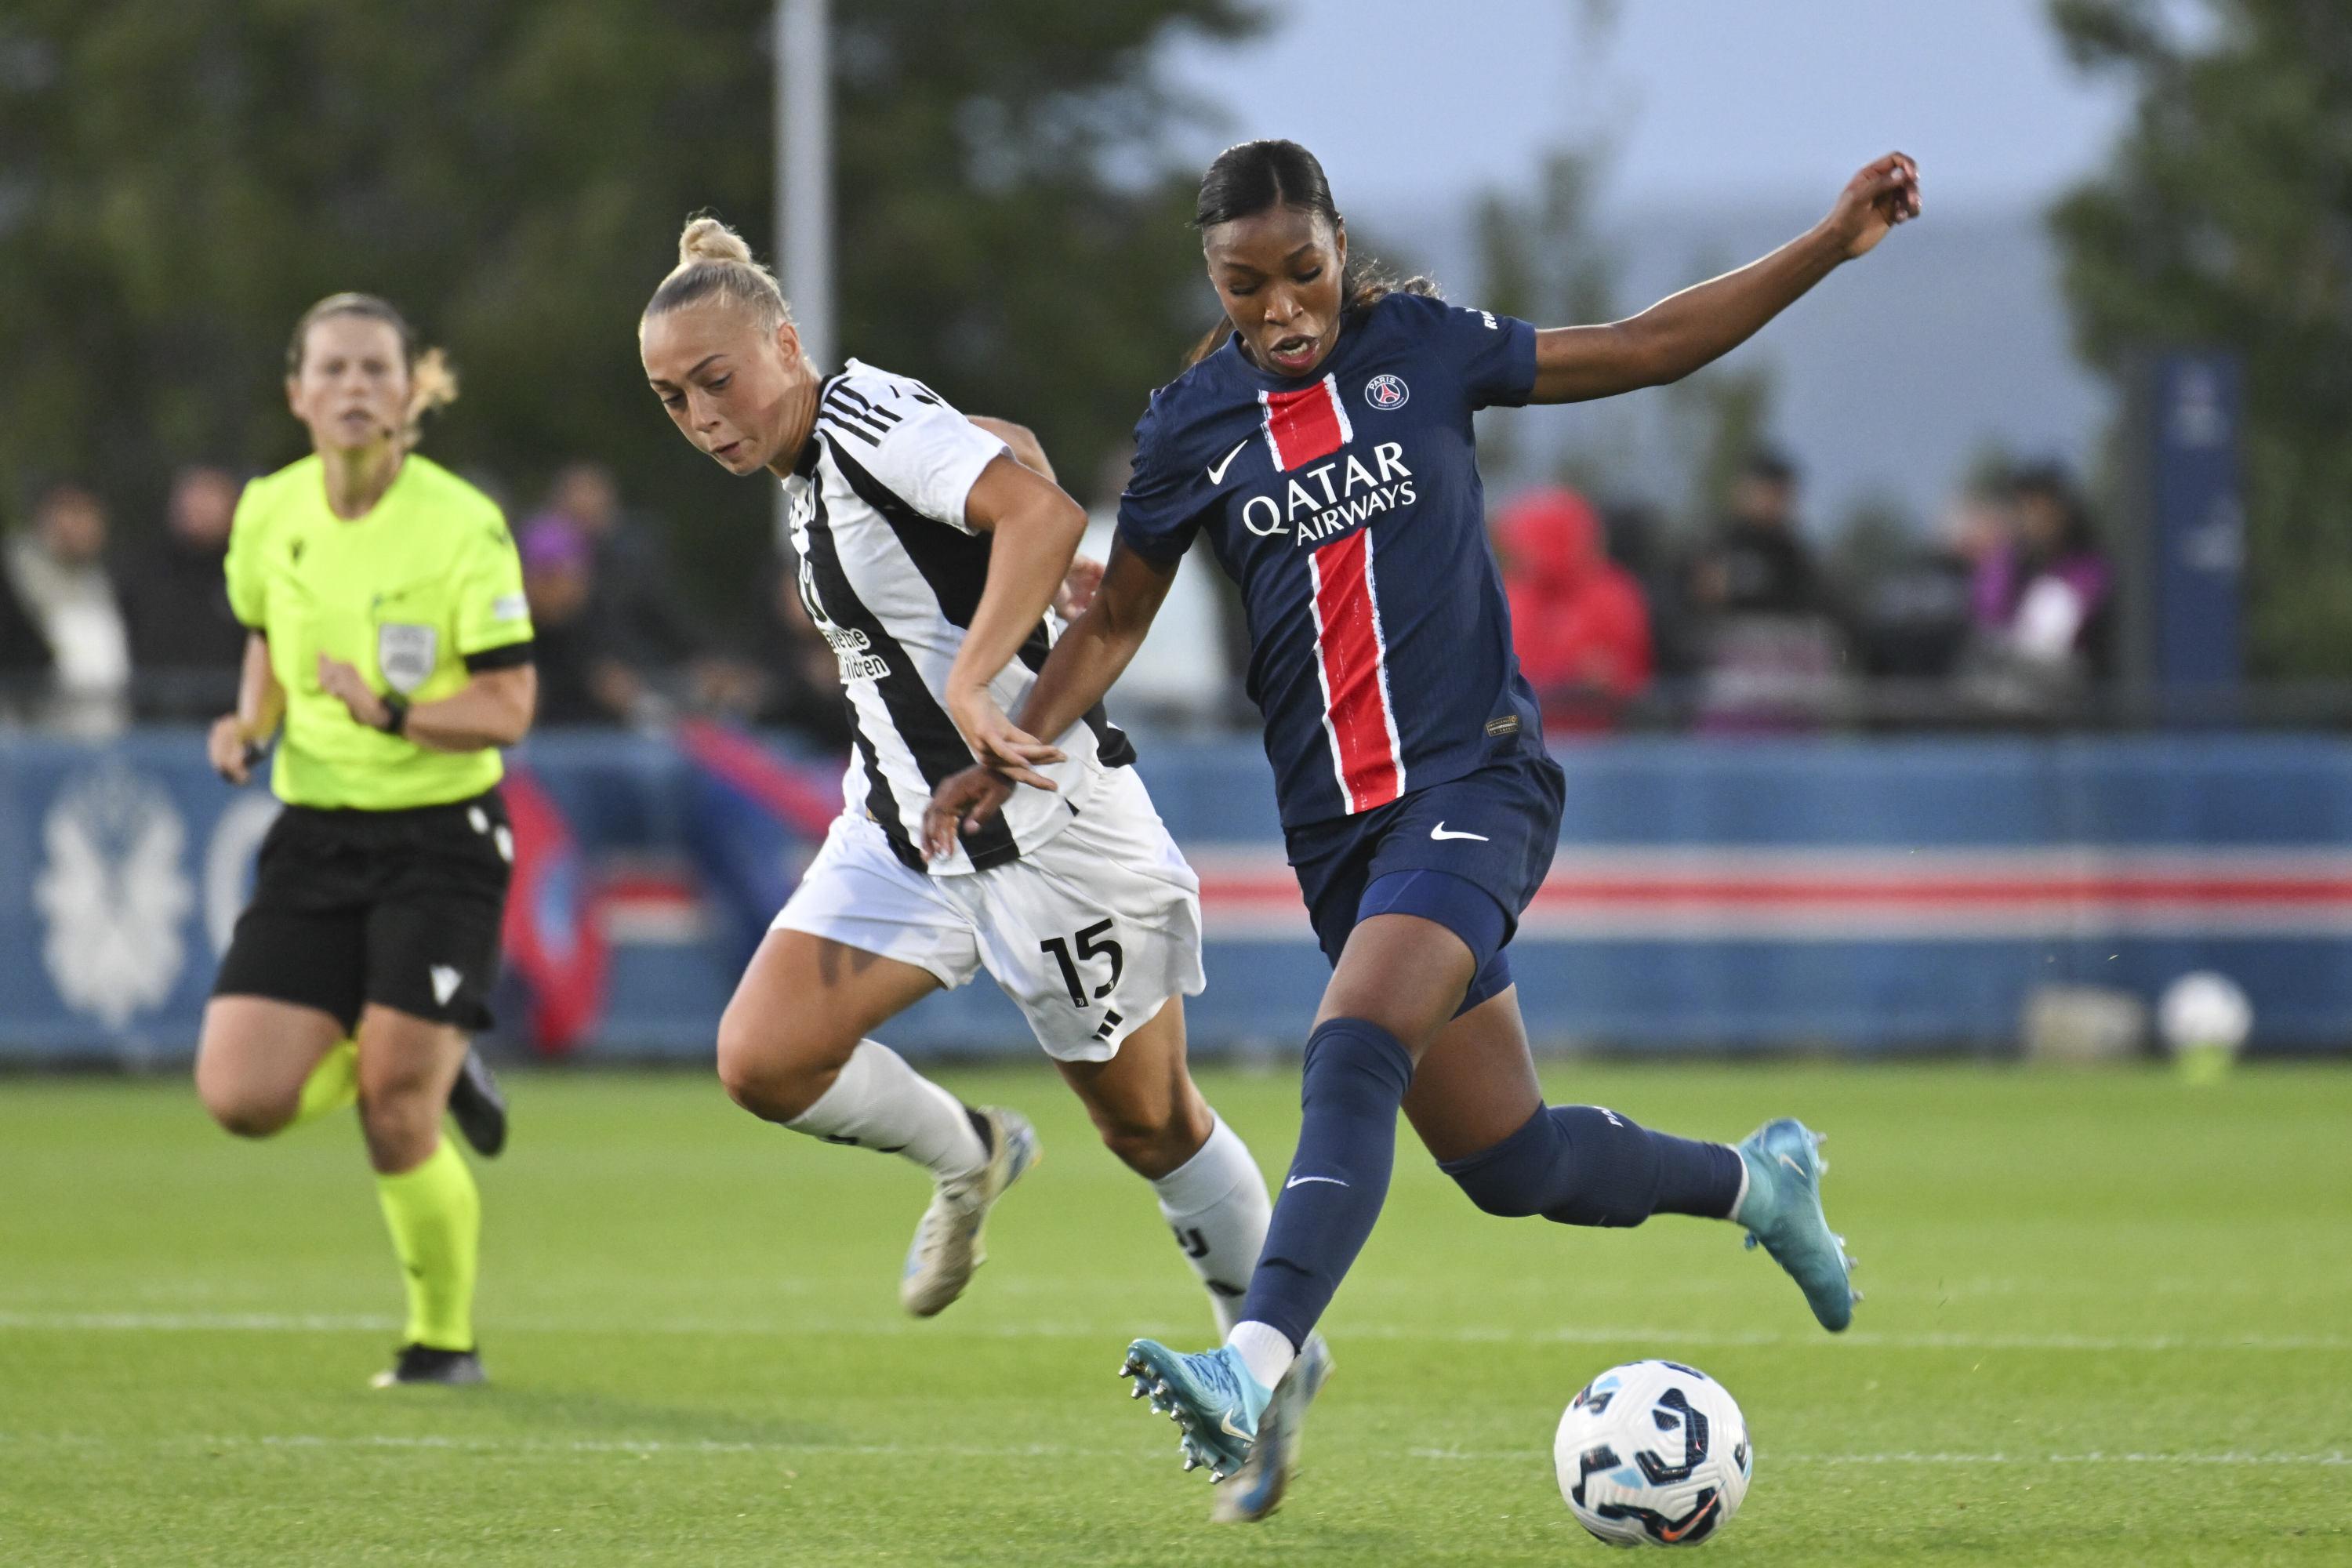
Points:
x=715, y=264
x=432, y=387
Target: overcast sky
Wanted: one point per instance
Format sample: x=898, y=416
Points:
x=1707, y=100
x=1732, y=124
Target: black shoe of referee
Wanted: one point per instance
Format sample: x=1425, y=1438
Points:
x=479, y=1106
x=413, y=1364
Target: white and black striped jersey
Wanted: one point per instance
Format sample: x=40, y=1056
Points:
x=891, y=574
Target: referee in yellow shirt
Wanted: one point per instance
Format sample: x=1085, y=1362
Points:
x=390, y=654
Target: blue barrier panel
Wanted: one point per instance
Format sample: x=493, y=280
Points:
x=1857, y=894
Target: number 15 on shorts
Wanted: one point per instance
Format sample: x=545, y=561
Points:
x=1083, y=948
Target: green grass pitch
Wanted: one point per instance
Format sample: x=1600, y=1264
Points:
x=2109, y=1322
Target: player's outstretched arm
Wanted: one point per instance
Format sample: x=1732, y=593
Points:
x=1684, y=332
x=1085, y=664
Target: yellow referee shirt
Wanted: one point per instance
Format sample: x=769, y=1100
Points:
x=424, y=589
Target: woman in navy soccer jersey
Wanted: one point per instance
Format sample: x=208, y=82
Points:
x=1323, y=444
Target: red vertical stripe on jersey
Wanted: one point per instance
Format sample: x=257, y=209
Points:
x=1351, y=658
x=1305, y=425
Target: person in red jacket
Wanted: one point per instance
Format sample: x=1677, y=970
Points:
x=1578, y=619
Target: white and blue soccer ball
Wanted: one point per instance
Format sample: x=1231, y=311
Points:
x=1652, y=1453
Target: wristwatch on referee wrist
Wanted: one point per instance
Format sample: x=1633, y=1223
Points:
x=395, y=715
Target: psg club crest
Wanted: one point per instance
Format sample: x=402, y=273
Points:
x=1386, y=391
x=404, y=654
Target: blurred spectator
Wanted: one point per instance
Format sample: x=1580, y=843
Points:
x=25, y=660
x=57, y=568
x=1577, y=618
x=1637, y=537
x=2049, y=587
x=186, y=642
x=634, y=598
x=1770, y=643
x=651, y=632
x=580, y=682
x=800, y=686
x=1913, y=620
x=2044, y=599
x=1756, y=562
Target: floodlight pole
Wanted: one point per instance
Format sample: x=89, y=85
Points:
x=804, y=169
x=804, y=106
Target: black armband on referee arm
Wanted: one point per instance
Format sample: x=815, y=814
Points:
x=506, y=656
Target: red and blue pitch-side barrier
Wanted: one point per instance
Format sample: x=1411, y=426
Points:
x=555, y=950
x=1879, y=895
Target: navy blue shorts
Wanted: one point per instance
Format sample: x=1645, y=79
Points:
x=1498, y=827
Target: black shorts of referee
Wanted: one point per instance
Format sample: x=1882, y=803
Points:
x=401, y=909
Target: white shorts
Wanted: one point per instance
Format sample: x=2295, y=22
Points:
x=1091, y=934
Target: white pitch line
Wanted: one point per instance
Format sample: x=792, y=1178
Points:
x=201, y=1322
x=641, y=1447
x=654, y=1446
x=2334, y=1459
x=882, y=1326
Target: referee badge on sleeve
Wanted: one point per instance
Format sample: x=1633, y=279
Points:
x=405, y=654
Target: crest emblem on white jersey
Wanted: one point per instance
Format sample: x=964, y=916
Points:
x=113, y=894
x=405, y=654
x=1385, y=391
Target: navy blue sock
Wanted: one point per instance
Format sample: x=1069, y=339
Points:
x=1354, y=1081
x=1580, y=1165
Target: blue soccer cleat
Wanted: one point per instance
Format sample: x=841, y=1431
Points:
x=1211, y=1396
x=1255, y=1489
x=1783, y=1212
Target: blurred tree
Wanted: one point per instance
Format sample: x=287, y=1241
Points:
x=1542, y=259
x=179, y=178
x=1725, y=416
x=2226, y=218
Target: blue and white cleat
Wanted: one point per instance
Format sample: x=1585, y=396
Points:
x=1783, y=1212
x=1255, y=1489
x=948, y=1245
x=1211, y=1396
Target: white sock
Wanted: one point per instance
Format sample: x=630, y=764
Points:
x=1266, y=1350
x=879, y=1102
x=1216, y=1203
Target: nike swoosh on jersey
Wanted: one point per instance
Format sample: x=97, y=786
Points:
x=1296, y=1180
x=1440, y=833
x=1217, y=471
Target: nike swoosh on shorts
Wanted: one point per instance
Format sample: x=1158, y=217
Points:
x=1440, y=833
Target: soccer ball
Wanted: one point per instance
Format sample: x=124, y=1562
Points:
x=2205, y=1018
x=1652, y=1453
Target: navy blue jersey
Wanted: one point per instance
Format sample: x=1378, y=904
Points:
x=1348, y=506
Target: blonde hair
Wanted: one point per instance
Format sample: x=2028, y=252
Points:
x=431, y=382
x=714, y=265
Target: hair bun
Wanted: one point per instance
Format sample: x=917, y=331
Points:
x=708, y=239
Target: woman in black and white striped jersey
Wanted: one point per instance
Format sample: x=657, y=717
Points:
x=910, y=521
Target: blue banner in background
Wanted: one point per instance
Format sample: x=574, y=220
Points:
x=1881, y=895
